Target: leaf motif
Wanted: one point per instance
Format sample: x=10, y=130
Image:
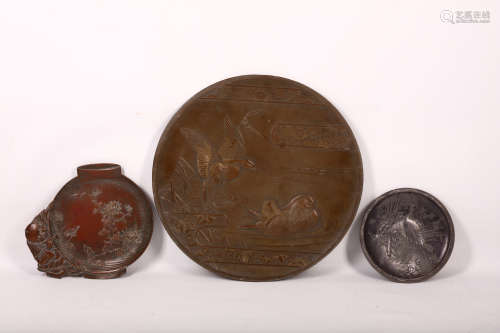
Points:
x=202, y=147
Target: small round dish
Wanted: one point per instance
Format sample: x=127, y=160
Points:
x=407, y=235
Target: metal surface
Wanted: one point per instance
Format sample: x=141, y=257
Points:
x=257, y=178
x=407, y=235
x=98, y=224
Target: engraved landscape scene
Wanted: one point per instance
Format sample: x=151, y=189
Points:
x=256, y=180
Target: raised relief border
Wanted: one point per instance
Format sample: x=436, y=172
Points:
x=220, y=255
x=320, y=171
x=315, y=136
x=245, y=93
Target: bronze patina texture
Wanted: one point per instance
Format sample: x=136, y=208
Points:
x=257, y=178
x=407, y=235
x=98, y=224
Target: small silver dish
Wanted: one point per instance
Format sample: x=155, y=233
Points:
x=407, y=235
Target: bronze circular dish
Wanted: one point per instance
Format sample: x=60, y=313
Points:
x=257, y=178
x=407, y=235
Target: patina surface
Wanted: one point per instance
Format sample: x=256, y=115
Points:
x=98, y=224
x=257, y=178
x=407, y=235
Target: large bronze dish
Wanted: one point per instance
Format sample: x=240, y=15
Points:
x=257, y=178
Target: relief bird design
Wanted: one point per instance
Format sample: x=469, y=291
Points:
x=403, y=242
x=222, y=165
x=245, y=123
x=405, y=234
x=298, y=215
x=402, y=232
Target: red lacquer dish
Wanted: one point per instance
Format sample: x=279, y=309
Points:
x=98, y=224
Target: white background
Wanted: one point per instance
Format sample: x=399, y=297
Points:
x=97, y=81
